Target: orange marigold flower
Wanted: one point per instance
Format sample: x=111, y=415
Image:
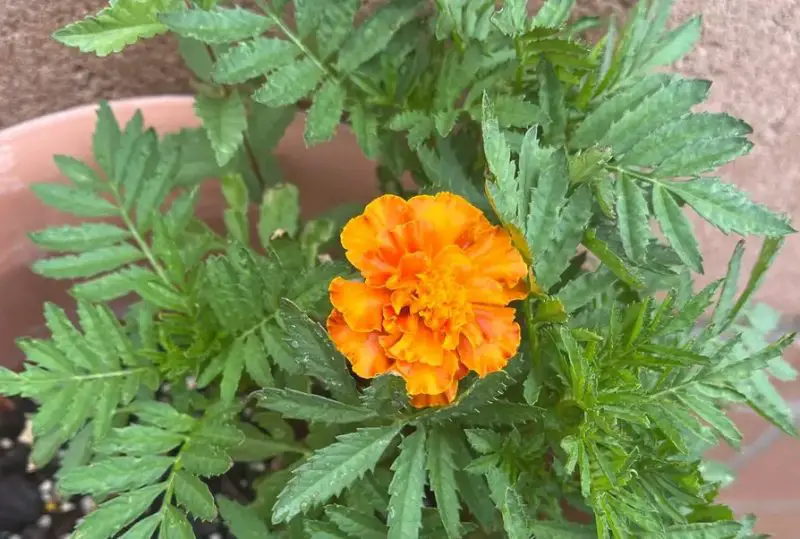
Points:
x=432, y=306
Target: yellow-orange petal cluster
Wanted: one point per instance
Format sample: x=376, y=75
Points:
x=433, y=303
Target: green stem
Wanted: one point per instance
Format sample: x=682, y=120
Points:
x=176, y=467
x=248, y=146
x=533, y=336
x=637, y=175
x=148, y=253
x=102, y=375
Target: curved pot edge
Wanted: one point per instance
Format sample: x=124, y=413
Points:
x=128, y=103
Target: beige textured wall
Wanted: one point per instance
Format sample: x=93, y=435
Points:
x=750, y=48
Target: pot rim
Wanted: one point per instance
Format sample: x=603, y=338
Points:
x=23, y=128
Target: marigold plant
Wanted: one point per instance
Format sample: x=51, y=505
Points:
x=521, y=350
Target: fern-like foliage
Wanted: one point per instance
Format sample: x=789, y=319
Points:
x=597, y=427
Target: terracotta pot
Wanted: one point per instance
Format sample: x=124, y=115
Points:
x=327, y=175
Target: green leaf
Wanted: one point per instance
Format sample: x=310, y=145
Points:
x=729, y=288
x=498, y=157
x=407, y=488
x=332, y=469
x=716, y=418
x=113, y=515
x=78, y=172
x=419, y=125
x=323, y=530
x=114, y=474
x=313, y=408
x=104, y=144
x=552, y=14
x=79, y=451
x=509, y=501
x=219, y=25
x=122, y=23
x=175, y=525
x=195, y=55
x=365, y=127
x=544, y=529
x=446, y=174
x=79, y=238
x=632, y=219
x=144, y=529
x=257, y=446
x=689, y=139
x=689, y=314
x=375, y=34
x=74, y=200
x=676, y=44
x=551, y=99
x=571, y=223
x=700, y=530
x=661, y=107
x=242, y=521
x=482, y=391
x=205, y=460
x=289, y=84
x=544, y=170
x=138, y=440
x=765, y=258
x=45, y=447
x=194, y=496
x=335, y=24
x=676, y=228
x=513, y=18
x=314, y=351
x=727, y=208
x=253, y=58
x=162, y=415
x=503, y=413
x=611, y=260
x=160, y=295
x=515, y=111
x=598, y=122
x=762, y=396
x=356, y=523
x=217, y=431
x=89, y=263
x=232, y=372
x=256, y=363
x=703, y=156
x=110, y=286
x=325, y=113
x=441, y=472
x=224, y=120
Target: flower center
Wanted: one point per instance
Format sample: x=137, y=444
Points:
x=440, y=300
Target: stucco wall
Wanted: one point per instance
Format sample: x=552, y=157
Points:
x=750, y=49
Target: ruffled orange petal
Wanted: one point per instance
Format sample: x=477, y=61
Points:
x=453, y=258
x=420, y=346
x=449, y=215
x=409, y=268
x=500, y=340
x=362, y=349
x=497, y=258
x=358, y=235
x=361, y=305
x=428, y=379
x=440, y=399
x=489, y=291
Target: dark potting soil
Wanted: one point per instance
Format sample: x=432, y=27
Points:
x=31, y=508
